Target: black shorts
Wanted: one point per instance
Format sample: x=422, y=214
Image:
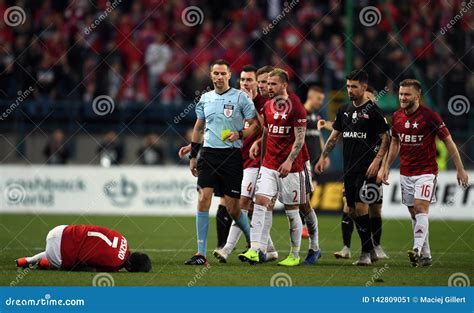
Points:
x=358, y=188
x=221, y=169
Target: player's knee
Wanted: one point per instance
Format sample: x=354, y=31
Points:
x=375, y=210
x=245, y=203
x=305, y=208
x=421, y=207
x=262, y=201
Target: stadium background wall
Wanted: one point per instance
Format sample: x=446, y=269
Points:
x=171, y=190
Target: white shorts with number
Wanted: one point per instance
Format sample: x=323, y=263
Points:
x=309, y=177
x=418, y=187
x=53, y=246
x=249, y=181
x=290, y=189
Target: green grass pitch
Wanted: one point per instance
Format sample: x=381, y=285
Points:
x=171, y=240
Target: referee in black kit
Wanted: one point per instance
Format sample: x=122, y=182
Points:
x=221, y=114
x=365, y=139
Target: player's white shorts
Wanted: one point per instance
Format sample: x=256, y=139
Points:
x=421, y=187
x=249, y=181
x=53, y=246
x=309, y=177
x=290, y=189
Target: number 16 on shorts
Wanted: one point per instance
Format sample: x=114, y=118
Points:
x=420, y=187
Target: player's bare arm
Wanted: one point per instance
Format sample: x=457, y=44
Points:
x=325, y=124
x=376, y=163
x=391, y=155
x=254, y=126
x=462, y=176
x=196, y=139
x=330, y=144
x=285, y=168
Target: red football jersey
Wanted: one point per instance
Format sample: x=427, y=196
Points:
x=93, y=246
x=259, y=103
x=281, y=117
x=417, y=133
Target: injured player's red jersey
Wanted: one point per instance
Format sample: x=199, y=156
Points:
x=93, y=246
x=281, y=117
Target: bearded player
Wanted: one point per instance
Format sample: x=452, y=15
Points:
x=414, y=130
x=87, y=247
x=282, y=170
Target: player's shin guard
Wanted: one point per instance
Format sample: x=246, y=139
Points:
x=425, y=251
x=347, y=227
x=376, y=229
x=223, y=224
x=267, y=226
x=363, y=228
x=202, y=227
x=312, y=224
x=420, y=230
x=258, y=221
x=296, y=227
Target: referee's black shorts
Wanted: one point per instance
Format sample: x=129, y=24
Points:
x=359, y=188
x=221, y=168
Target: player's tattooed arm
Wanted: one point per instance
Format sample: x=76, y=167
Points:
x=384, y=145
x=299, y=142
x=331, y=143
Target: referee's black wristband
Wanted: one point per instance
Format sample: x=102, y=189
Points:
x=195, y=147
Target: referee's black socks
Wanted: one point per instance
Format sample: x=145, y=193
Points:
x=376, y=229
x=347, y=227
x=223, y=223
x=363, y=228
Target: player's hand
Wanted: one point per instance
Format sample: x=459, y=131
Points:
x=321, y=124
x=327, y=163
x=463, y=178
x=250, y=92
x=233, y=136
x=373, y=168
x=285, y=168
x=319, y=167
x=184, y=150
x=254, y=151
x=193, y=167
x=382, y=176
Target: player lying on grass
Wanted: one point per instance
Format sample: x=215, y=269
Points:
x=87, y=248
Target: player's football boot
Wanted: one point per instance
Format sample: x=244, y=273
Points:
x=345, y=253
x=425, y=261
x=304, y=233
x=380, y=253
x=414, y=257
x=43, y=264
x=197, y=259
x=271, y=256
x=262, y=257
x=364, y=260
x=373, y=256
x=312, y=257
x=291, y=260
x=221, y=255
x=249, y=256
x=22, y=262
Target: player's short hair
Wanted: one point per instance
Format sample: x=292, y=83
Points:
x=358, y=75
x=411, y=83
x=282, y=74
x=316, y=88
x=249, y=68
x=220, y=62
x=264, y=70
x=138, y=262
x=371, y=89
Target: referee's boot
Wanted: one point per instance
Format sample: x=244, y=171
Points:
x=197, y=259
